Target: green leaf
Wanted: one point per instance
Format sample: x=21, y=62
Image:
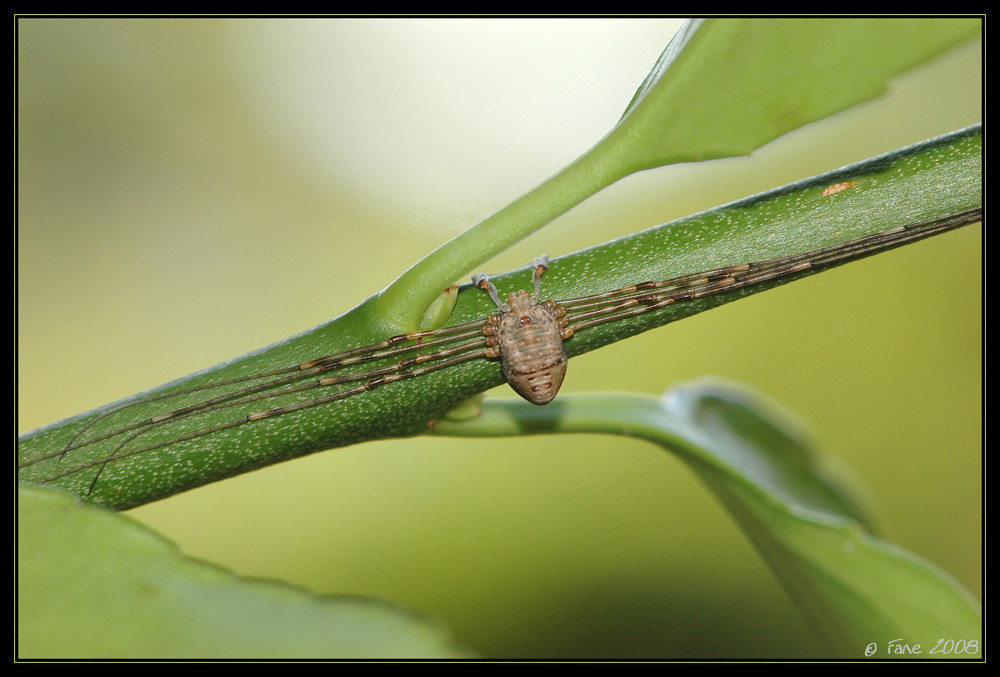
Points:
x=146, y=600
x=729, y=86
x=936, y=179
x=864, y=596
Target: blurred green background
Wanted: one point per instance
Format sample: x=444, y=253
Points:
x=191, y=190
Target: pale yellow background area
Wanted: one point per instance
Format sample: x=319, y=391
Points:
x=191, y=190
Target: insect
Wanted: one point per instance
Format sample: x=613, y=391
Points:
x=527, y=335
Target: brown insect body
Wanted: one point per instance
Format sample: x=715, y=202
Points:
x=527, y=335
x=533, y=358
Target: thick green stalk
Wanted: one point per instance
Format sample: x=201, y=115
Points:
x=931, y=180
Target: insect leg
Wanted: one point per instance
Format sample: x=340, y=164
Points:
x=482, y=281
x=541, y=264
x=404, y=369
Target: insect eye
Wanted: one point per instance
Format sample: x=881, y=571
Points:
x=525, y=320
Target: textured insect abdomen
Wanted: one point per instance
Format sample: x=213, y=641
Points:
x=532, y=355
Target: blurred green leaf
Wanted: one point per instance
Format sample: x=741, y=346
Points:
x=804, y=516
x=96, y=584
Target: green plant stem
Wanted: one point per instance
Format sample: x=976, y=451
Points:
x=402, y=303
x=738, y=70
x=931, y=180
